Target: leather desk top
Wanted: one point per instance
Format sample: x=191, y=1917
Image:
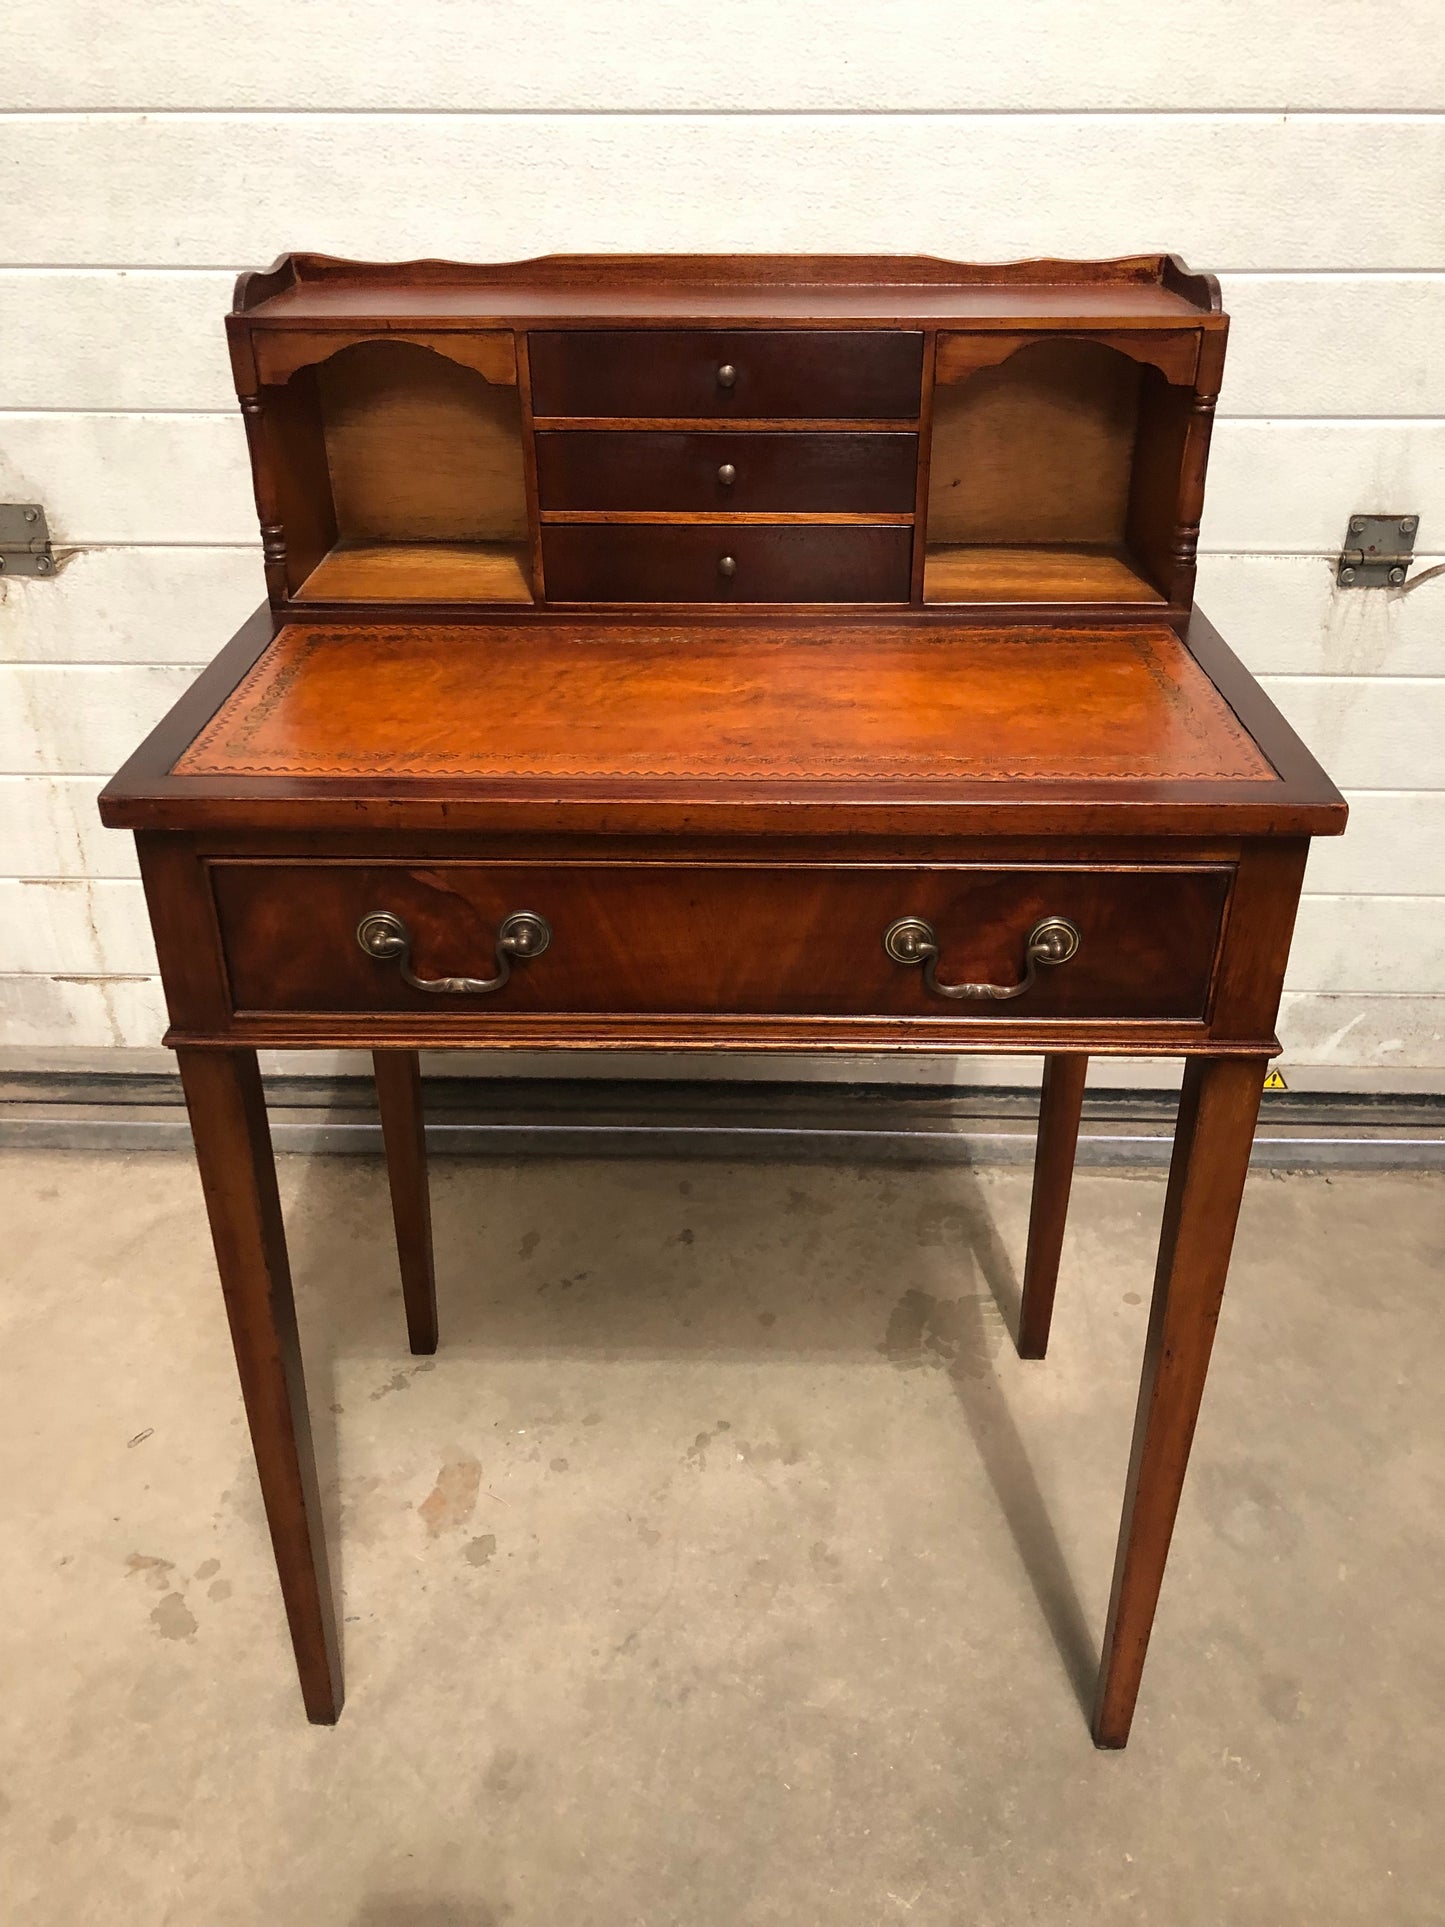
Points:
x=798, y=706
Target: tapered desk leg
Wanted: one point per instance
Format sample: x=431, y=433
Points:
x=1060, y=1104
x=238, y=1176
x=403, y=1132
x=1217, y=1114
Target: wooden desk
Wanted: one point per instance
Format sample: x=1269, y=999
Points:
x=730, y=655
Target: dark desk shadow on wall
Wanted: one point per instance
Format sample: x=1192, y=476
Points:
x=626, y=1303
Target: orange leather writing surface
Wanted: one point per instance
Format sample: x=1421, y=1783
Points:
x=800, y=704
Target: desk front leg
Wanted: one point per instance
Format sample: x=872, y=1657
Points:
x=1061, y=1104
x=238, y=1176
x=1218, y=1110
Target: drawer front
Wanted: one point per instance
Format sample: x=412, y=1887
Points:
x=824, y=373
x=718, y=940
x=725, y=562
x=712, y=472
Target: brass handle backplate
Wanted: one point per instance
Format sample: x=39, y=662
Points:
x=912, y=941
x=383, y=935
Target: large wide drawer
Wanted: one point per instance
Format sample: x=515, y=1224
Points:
x=715, y=939
x=675, y=374
x=713, y=471
x=726, y=562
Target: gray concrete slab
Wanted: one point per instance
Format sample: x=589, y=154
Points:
x=725, y=1566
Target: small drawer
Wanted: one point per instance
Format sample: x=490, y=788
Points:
x=717, y=940
x=822, y=373
x=801, y=470
x=725, y=562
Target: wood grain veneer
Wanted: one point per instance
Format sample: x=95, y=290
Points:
x=420, y=572
x=421, y=449
x=800, y=372
x=637, y=469
x=977, y=572
x=1175, y=351
x=278, y=355
x=1037, y=448
x=723, y=562
x=750, y=939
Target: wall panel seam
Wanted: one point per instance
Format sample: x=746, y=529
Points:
x=1264, y=114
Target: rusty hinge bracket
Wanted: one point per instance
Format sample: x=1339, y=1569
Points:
x=24, y=540
x=1378, y=551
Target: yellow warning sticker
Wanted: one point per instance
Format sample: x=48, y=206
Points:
x=1274, y=1081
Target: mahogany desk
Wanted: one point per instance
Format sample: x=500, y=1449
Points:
x=726, y=654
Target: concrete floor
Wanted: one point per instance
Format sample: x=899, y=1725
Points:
x=726, y=1566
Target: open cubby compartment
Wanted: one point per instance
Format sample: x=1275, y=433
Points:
x=399, y=471
x=1055, y=471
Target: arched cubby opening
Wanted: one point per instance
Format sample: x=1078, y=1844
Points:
x=406, y=479
x=1053, y=474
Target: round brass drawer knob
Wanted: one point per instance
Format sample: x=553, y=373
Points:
x=727, y=475
x=726, y=375
x=727, y=566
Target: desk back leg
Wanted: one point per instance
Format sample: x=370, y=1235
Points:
x=1060, y=1105
x=238, y=1177
x=1217, y=1114
x=403, y=1132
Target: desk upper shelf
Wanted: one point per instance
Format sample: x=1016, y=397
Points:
x=1139, y=291
x=648, y=431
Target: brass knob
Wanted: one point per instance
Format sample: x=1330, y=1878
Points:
x=727, y=475
x=727, y=566
x=726, y=375
x=1054, y=941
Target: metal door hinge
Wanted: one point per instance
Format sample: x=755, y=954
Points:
x=1378, y=551
x=24, y=540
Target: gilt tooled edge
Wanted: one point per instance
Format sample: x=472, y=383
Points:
x=271, y=678
x=1226, y=724
x=827, y=770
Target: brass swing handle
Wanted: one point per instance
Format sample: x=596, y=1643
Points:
x=910, y=940
x=383, y=935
